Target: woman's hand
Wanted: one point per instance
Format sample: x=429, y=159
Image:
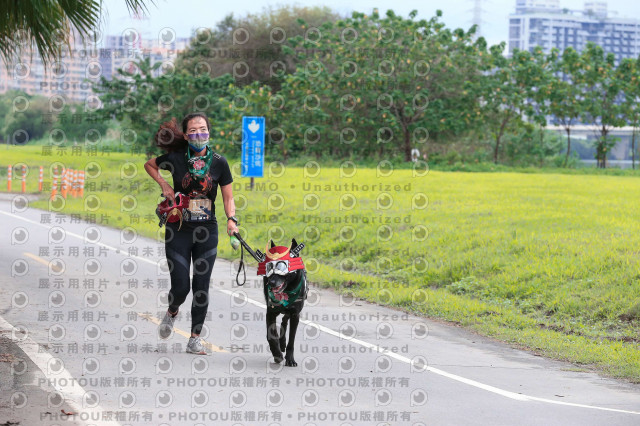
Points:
x=152, y=168
x=167, y=192
x=231, y=227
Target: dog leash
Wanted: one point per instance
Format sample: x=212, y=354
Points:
x=257, y=255
x=241, y=268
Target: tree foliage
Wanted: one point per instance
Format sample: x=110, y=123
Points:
x=629, y=74
x=370, y=85
x=250, y=47
x=505, y=92
x=142, y=101
x=23, y=117
x=564, y=93
x=602, y=106
x=374, y=86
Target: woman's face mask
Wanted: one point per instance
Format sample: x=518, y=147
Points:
x=198, y=141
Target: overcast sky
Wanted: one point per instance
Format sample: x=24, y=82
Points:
x=185, y=15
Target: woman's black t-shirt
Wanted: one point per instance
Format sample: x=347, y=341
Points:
x=219, y=174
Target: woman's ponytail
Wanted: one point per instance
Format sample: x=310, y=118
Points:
x=169, y=137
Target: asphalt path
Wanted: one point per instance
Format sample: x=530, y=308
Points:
x=79, y=308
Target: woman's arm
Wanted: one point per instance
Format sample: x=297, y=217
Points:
x=152, y=168
x=229, y=207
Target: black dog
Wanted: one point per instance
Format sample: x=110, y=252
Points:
x=285, y=290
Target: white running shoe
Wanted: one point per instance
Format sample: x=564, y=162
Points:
x=166, y=326
x=195, y=346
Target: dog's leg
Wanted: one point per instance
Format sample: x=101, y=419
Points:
x=283, y=332
x=295, y=319
x=273, y=336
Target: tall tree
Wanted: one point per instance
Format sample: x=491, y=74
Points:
x=505, y=92
x=536, y=76
x=629, y=74
x=602, y=97
x=250, y=47
x=385, y=81
x=565, y=93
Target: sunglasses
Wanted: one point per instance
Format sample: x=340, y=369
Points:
x=278, y=267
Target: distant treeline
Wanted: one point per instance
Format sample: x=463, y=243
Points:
x=361, y=87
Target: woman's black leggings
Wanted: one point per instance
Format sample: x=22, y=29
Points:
x=200, y=244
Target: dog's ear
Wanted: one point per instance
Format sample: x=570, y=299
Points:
x=272, y=245
x=295, y=248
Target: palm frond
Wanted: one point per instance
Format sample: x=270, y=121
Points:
x=139, y=6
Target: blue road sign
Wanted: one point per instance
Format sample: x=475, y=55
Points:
x=253, y=129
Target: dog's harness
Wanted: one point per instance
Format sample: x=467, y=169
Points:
x=290, y=297
x=274, y=255
x=276, y=258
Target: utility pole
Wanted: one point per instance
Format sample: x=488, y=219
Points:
x=477, y=16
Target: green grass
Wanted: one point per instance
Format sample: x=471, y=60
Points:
x=546, y=261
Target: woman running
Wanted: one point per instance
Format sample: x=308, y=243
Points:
x=197, y=172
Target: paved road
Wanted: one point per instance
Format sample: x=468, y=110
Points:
x=79, y=305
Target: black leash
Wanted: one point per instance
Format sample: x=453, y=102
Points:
x=257, y=255
x=241, y=268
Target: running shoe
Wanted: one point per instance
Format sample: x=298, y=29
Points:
x=166, y=326
x=195, y=346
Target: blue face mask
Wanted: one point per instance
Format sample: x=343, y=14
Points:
x=198, y=148
x=198, y=141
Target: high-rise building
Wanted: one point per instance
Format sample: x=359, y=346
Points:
x=544, y=23
x=537, y=5
x=71, y=77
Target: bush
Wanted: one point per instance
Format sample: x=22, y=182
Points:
x=452, y=157
x=27, y=124
x=573, y=161
x=532, y=146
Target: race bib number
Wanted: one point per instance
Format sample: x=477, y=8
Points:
x=200, y=209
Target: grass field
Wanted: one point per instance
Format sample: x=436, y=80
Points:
x=548, y=262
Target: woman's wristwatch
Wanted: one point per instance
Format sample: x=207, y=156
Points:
x=233, y=218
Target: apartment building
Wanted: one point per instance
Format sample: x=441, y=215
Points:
x=544, y=23
x=85, y=62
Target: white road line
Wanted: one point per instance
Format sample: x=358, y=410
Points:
x=63, y=381
x=73, y=234
x=470, y=382
x=489, y=388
